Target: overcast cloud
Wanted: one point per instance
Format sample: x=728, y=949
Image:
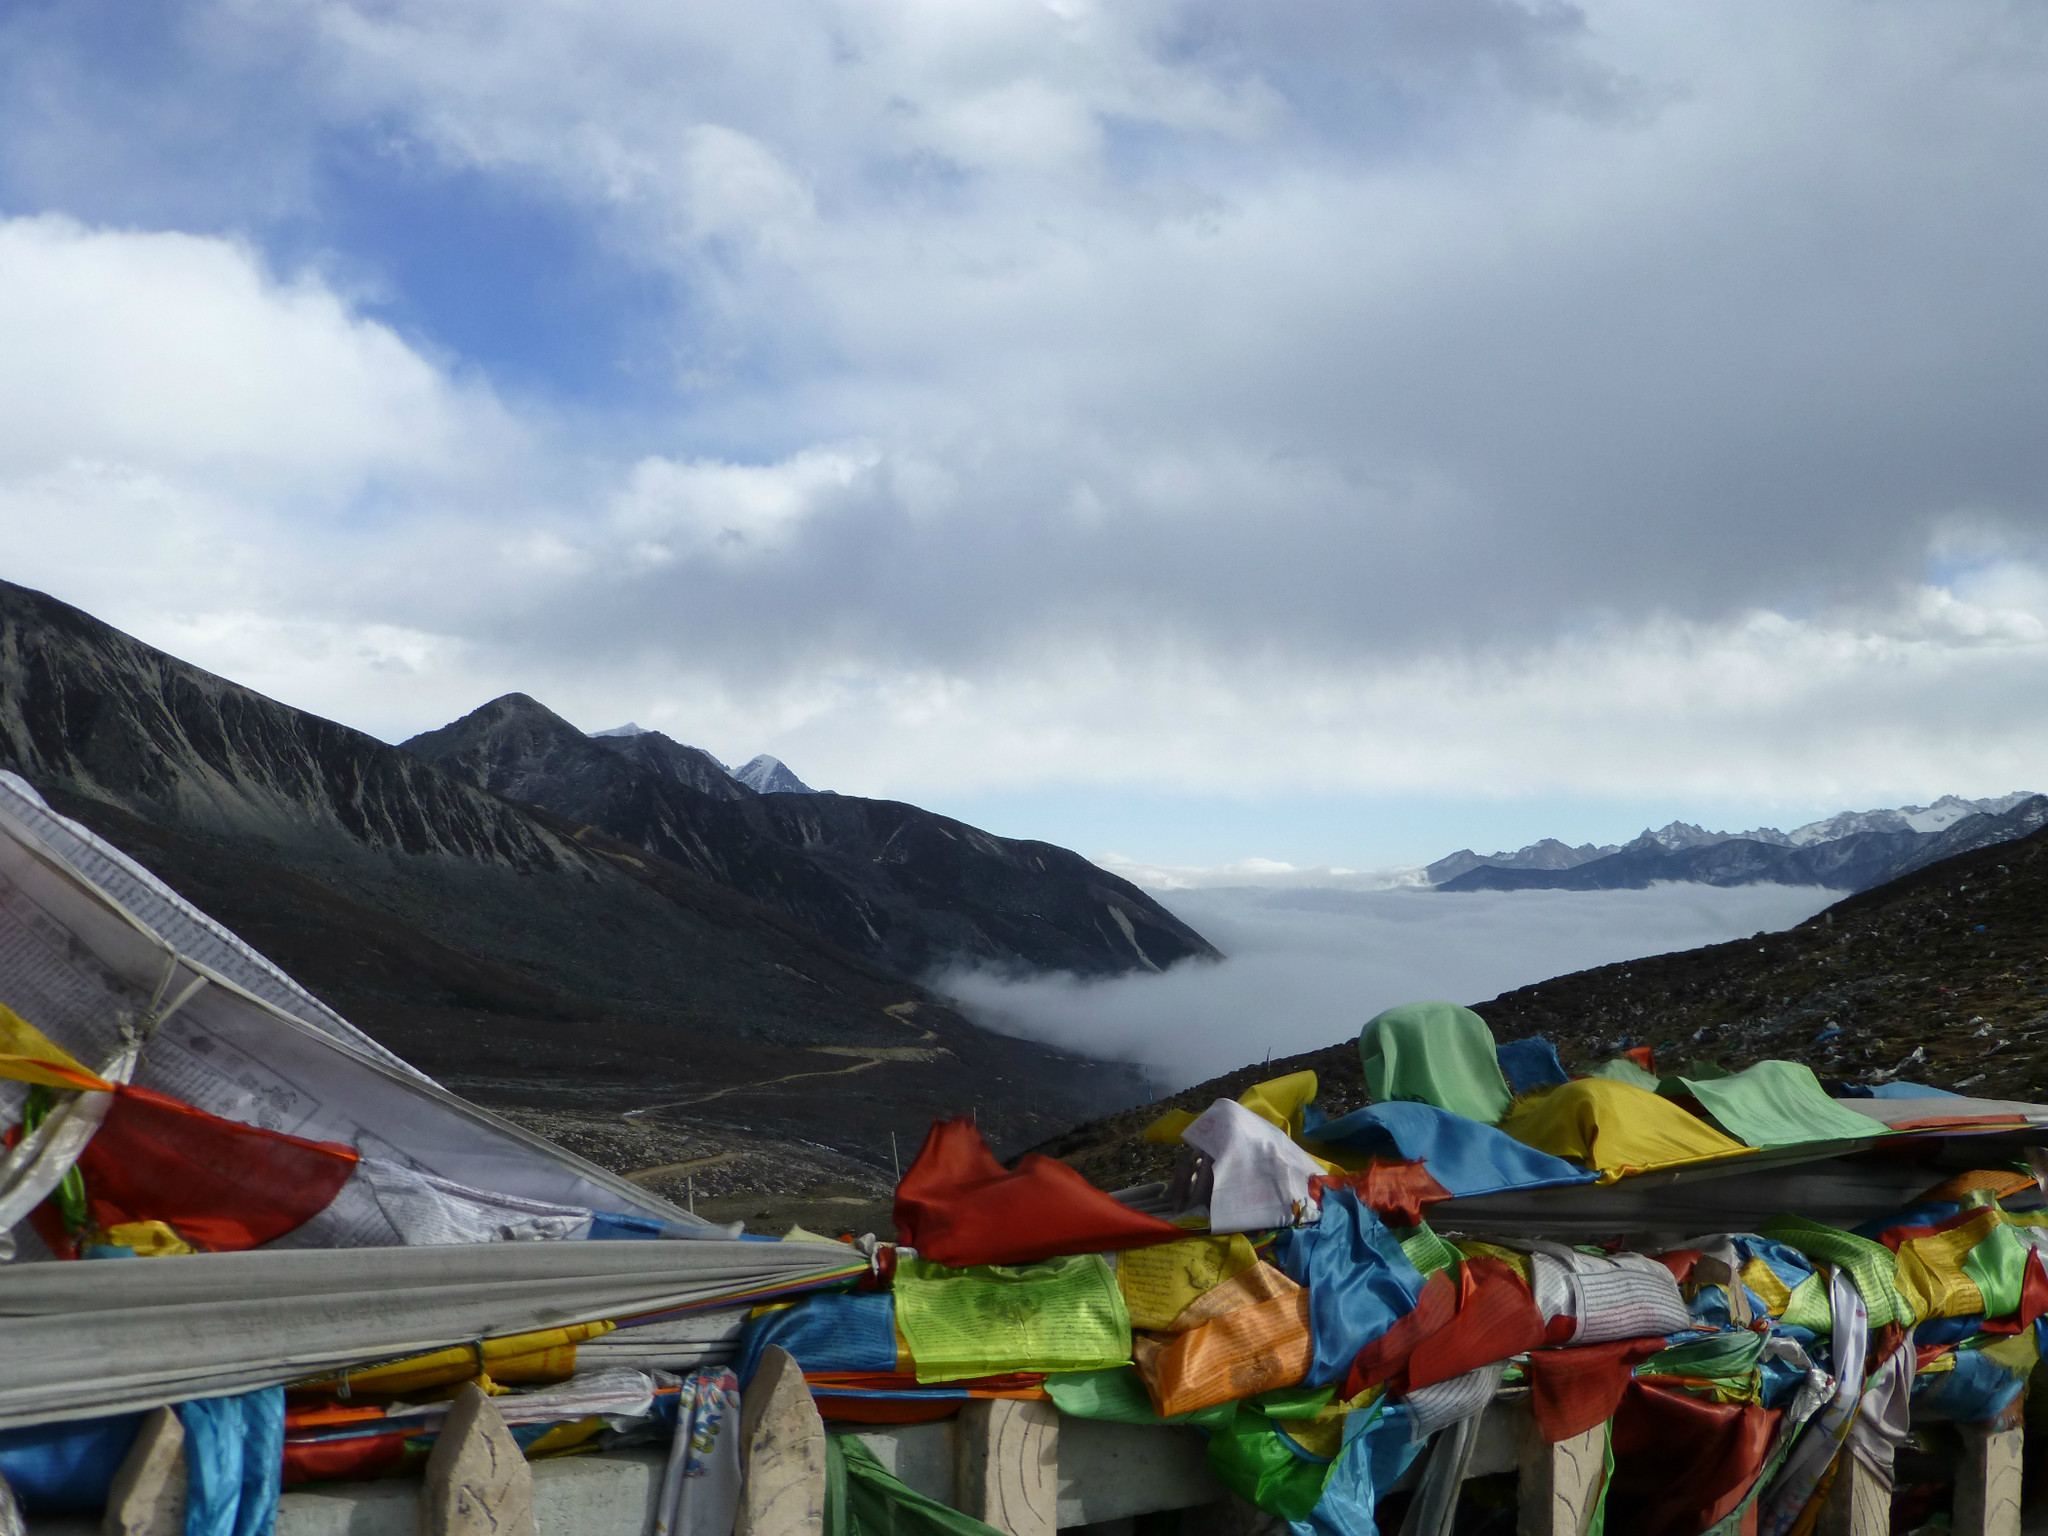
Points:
x=1394, y=395
x=1307, y=967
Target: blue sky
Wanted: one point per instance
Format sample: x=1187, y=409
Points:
x=1328, y=432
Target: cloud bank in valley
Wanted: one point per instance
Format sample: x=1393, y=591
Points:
x=1307, y=967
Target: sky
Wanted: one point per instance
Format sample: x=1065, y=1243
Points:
x=1327, y=431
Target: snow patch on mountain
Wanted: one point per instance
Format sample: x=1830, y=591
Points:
x=628, y=729
x=767, y=775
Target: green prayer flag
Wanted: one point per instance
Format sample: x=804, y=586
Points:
x=1870, y=1265
x=1426, y=1251
x=1293, y=1402
x=1721, y=1357
x=1434, y=1053
x=1119, y=1394
x=1257, y=1463
x=1809, y=1307
x=1622, y=1070
x=1775, y=1104
x=862, y=1498
x=1064, y=1314
x=1998, y=1264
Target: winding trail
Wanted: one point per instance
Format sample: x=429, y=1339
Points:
x=718, y=1093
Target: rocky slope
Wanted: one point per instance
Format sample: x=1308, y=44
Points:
x=522, y=956
x=1940, y=977
x=907, y=888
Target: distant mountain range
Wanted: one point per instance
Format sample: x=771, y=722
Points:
x=1851, y=851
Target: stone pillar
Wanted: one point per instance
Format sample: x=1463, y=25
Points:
x=1007, y=1465
x=1560, y=1484
x=1859, y=1500
x=477, y=1482
x=1987, y=1499
x=148, y=1494
x=782, y=1452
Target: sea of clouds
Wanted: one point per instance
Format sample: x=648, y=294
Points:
x=1306, y=966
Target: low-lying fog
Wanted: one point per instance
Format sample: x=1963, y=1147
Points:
x=1306, y=967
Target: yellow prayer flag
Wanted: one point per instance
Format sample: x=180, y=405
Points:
x=1281, y=1100
x=1165, y=1131
x=1614, y=1128
x=1160, y=1281
x=27, y=1055
x=548, y=1354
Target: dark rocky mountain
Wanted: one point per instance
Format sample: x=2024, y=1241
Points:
x=1938, y=977
x=516, y=748
x=521, y=956
x=907, y=888
x=652, y=752
x=1856, y=862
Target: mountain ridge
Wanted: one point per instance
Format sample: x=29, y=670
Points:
x=911, y=889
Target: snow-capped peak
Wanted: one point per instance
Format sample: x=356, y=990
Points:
x=766, y=775
x=1679, y=835
x=1938, y=817
x=628, y=729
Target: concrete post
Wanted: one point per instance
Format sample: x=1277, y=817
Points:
x=1987, y=1501
x=1007, y=1468
x=782, y=1452
x=477, y=1482
x=1560, y=1484
x=148, y=1494
x=1859, y=1501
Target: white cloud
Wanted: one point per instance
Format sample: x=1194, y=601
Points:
x=672, y=510
x=1248, y=875
x=160, y=351
x=196, y=448
x=1475, y=397
x=1307, y=967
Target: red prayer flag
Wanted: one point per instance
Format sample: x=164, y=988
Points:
x=350, y=1458
x=1497, y=1317
x=1397, y=1190
x=1682, y=1463
x=220, y=1184
x=957, y=1205
x=1572, y=1390
x=1680, y=1262
x=1387, y=1356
